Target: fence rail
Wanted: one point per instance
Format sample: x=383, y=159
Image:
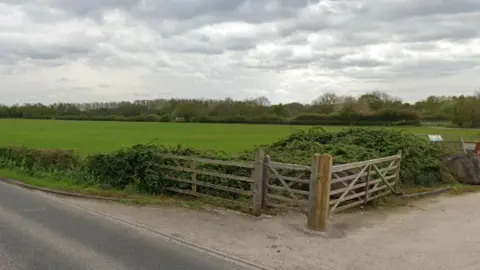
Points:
x=200, y=177
x=358, y=183
x=288, y=185
x=319, y=189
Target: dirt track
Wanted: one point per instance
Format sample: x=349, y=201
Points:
x=440, y=233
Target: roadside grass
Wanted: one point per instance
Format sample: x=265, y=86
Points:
x=127, y=196
x=87, y=137
x=459, y=189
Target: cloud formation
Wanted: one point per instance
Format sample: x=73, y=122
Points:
x=287, y=50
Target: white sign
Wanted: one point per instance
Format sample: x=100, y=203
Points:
x=435, y=138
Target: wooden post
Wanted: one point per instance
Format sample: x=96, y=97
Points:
x=194, y=175
x=399, y=163
x=258, y=180
x=265, y=181
x=367, y=186
x=312, y=196
x=319, y=197
x=463, y=145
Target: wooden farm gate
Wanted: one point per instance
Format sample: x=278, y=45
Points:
x=358, y=183
x=290, y=185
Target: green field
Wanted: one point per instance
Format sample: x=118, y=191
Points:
x=90, y=137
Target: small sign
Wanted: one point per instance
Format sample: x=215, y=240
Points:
x=435, y=138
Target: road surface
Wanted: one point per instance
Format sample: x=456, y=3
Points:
x=39, y=233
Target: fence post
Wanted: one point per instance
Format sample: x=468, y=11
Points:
x=193, y=167
x=258, y=179
x=463, y=145
x=319, y=197
x=367, y=186
x=265, y=172
x=399, y=164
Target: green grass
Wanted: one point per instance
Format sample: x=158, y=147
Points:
x=126, y=196
x=93, y=137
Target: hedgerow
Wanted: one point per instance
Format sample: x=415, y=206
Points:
x=142, y=167
x=422, y=160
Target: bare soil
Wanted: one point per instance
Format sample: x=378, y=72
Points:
x=439, y=233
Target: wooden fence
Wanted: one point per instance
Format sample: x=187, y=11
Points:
x=320, y=189
x=228, y=181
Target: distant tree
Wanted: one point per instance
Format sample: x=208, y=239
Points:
x=466, y=112
x=329, y=107
x=325, y=103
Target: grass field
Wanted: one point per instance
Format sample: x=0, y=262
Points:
x=90, y=137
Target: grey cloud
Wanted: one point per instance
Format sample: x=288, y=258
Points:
x=64, y=79
x=399, y=10
x=422, y=46
x=11, y=52
x=380, y=21
x=254, y=11
x=142, y=95
x=38, y=12
x=180, y=19
x=248, y=10
x=337, y=63
x=366, y=63
x=174, y=9
x=86, y=7
x=435, y=68
x=194, y=47
x=457, y=33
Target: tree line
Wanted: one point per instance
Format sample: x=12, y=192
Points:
x=374, y=108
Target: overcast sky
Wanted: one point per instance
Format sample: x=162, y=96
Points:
x=287, y=50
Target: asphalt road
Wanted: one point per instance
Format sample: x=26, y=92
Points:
x=40, y=233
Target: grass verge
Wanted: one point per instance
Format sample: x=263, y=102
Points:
x=126, y=197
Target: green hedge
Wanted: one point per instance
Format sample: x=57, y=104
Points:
x=346, y=117
x=137, y=167
x=119, y=118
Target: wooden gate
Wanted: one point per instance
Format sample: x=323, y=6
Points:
x=284, y=185
x=358, y=183
x=288, y=185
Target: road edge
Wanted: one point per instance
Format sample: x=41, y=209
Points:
x=56, y=196
x=427, y=193
x=58, y=192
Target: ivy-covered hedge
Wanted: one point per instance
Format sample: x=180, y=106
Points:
x=422, y=160
x=138, y=167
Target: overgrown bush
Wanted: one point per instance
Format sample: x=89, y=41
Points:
x=422, y=162
x=138, y=167
x=40, y=159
